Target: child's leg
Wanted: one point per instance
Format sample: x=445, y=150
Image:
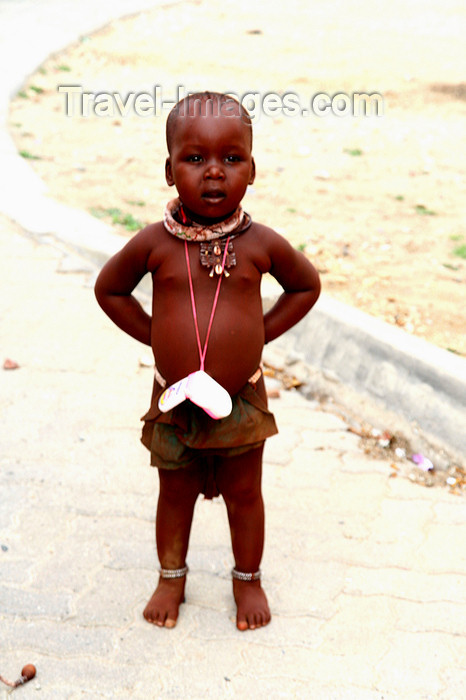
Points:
x=239, y=482
x=179, y=490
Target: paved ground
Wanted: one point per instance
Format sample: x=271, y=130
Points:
x=366, y=574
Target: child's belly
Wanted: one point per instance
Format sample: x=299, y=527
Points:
x=234, y=349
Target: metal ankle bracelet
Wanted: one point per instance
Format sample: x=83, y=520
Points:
x=241, y=576
x=173, y=573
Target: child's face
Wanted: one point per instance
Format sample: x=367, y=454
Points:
x=210, y=164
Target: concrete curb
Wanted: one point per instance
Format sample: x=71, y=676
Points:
x=422, y=383
x=403, y=374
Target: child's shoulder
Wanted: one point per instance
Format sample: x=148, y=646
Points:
x=150, y=234
x=262, y=229
x=282, y=260
x=150, y=238
x=269, y=239
x=265, y=233
x=147, y=248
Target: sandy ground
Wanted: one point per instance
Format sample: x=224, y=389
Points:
x=375, y=202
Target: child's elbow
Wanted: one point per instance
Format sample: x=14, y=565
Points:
x=100, y=291
x=97, y=289
x=317, y=288
x=314, y=288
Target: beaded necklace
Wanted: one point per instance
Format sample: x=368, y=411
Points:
x=216, y=247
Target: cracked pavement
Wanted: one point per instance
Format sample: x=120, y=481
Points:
x=365, y=573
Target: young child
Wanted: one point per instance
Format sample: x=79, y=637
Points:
x=207, y=332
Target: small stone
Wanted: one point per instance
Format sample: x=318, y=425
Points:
x=10, y=364
x=146, y=361
x=331, y=376
x=28, y=672
x=322, y=175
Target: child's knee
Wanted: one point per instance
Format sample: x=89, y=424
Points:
x=244, y=490
x=179, y=484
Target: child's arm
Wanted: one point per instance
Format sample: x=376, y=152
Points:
x=115, y=283
x=300, y=282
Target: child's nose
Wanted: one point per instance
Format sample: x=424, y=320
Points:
x=214, y=171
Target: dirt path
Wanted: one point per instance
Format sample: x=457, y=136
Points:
x=376, y=202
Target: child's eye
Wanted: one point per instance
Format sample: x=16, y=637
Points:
x=232, y=159
x=195, y=158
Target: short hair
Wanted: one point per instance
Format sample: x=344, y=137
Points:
x=181, y=109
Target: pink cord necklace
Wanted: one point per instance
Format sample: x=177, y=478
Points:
x=199, y=387
x=203, y=350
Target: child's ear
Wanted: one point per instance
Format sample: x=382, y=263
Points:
x=253, y=172
x=168, y=173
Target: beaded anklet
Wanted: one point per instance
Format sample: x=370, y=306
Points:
x=241, y=576
x=174, y=573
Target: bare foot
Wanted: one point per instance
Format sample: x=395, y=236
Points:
x=252, y=606
x=162, y=608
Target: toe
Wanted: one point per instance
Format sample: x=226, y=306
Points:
x=242, y=625
x=149, y=618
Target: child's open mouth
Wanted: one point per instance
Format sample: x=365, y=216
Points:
x=214, y=197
